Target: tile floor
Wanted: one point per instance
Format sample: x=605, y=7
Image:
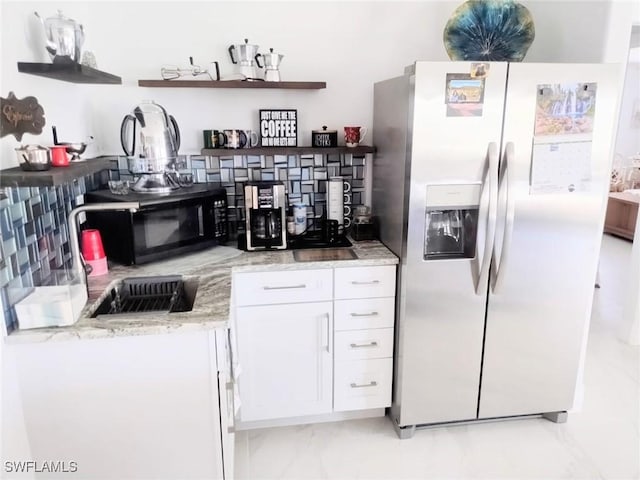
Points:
x=599, y=442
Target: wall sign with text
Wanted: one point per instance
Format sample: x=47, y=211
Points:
x=279, y=128
x=20, y=115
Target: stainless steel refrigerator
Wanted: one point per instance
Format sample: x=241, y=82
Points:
x=490, y=182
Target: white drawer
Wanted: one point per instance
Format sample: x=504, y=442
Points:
x=362, y=384
x=365, y=282
x=364, y=313
x=293, y=286
x=363, y=344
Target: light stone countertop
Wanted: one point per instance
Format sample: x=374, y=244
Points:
x=213, y=268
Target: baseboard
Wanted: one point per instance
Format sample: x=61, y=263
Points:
x=328, y=417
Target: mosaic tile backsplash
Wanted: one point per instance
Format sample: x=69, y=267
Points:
x=33, y=220
x=35, y=237
x=303, y=176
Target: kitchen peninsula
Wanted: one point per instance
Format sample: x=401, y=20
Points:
x=154, y=393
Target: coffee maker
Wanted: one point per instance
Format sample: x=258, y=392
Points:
x=265, y=215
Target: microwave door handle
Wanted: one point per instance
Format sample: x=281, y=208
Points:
x=500, y=264
x=487, y=208
x=200, y=220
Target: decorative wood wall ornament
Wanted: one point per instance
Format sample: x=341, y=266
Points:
x=489, y=30
x=20, y=116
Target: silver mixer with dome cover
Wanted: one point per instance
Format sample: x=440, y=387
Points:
x=151, y=138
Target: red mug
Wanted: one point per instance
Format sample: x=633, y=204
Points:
x=59, y=156
x=354, y=135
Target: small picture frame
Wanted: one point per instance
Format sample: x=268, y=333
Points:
x=464, y=95
x=278, y=128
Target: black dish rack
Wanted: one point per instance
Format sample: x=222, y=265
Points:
x=145, y=294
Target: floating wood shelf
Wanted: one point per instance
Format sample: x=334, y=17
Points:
x=230, y=84
x=226, y=152
x=16, y=177
x=69, y=72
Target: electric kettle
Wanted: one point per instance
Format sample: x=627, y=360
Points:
x=64, y=38
x=158, y=138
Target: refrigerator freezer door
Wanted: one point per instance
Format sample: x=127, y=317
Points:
x=441, y=315
x=539, y=307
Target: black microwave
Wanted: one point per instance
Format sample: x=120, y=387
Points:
x=183, y=221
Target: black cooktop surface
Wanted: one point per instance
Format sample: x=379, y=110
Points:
x=316, y=241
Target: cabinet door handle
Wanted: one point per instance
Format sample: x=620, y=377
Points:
x=370, y=282
x=285, y=287
x=326, y=344
x=371, y=314
x=364, y=345
x=364, y=385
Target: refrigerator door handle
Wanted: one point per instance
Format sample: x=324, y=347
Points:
x=488, y=205
x=499, y=262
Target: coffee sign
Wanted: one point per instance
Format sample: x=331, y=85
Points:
x=279, y=128
x=20, y=116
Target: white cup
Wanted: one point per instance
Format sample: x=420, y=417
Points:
x=252, y=138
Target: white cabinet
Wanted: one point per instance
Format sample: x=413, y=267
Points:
x=363, y=384
x=364, y=344
x=266, y=288
x=286, y=326
x=286, y=354
x=364, y=310
x=365, y=282
x=364, y=313
x=127, y=407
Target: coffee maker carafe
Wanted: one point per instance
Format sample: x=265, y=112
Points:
x=154, y=157
x=265, y=214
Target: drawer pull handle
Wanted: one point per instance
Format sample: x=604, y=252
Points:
x=372, y=314
x=364, y=345
x=370, y=384
x=371, y=282
x=285, y=287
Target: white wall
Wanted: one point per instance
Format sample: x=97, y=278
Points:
x=628, y=139
x=350, y=45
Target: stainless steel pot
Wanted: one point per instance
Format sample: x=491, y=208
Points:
x=243, y=53
x=64, y=38
x=158, y=135
x=271, y=60
x=34, y=158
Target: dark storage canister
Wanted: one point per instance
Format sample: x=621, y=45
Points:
x=324, y=138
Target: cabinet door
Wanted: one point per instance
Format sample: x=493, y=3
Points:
x=363, y=344
x=365, y=282
x=364, y=313
x=362, y=384
x=128, y=407
x=288, y=286
x=285, y=354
